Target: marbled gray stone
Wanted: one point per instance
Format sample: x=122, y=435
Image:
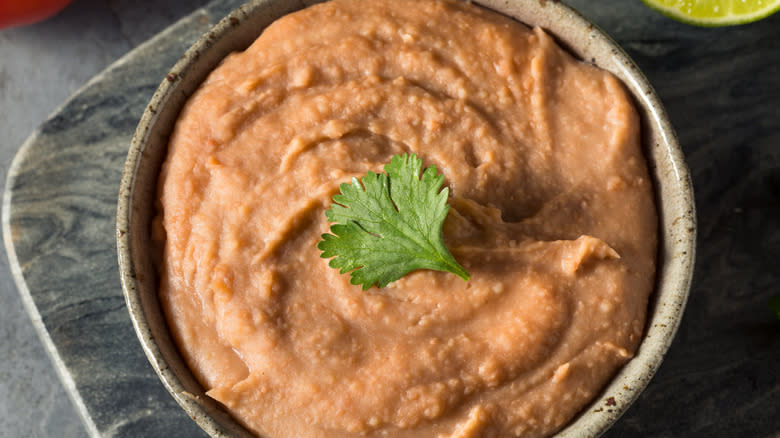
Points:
x=721, y=88
x=40, y=66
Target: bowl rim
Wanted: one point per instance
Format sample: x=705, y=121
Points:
x=579, y=36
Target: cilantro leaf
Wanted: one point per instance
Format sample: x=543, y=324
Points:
x=390, y=225
x=774, y=305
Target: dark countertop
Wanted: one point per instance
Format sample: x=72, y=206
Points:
x=721, y=88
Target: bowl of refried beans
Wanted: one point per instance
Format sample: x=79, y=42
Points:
x=569, y=204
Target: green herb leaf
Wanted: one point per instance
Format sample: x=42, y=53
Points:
x=390, y=225
x=774, y=305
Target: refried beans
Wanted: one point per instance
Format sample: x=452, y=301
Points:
x=552, y=213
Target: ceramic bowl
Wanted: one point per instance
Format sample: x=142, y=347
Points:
x=136, y=204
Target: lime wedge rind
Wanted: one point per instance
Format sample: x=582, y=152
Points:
x=705, y=21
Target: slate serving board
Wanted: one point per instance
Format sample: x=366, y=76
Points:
x=721, y=88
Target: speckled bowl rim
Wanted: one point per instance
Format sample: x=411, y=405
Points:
x=674, y=196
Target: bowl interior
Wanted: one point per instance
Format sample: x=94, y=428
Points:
x=136, y=206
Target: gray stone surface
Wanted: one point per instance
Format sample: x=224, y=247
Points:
x=720, y=86
x=40, y=66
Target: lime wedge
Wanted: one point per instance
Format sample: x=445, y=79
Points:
x=715, y=12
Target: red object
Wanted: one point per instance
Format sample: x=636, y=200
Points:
x=21, y=12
